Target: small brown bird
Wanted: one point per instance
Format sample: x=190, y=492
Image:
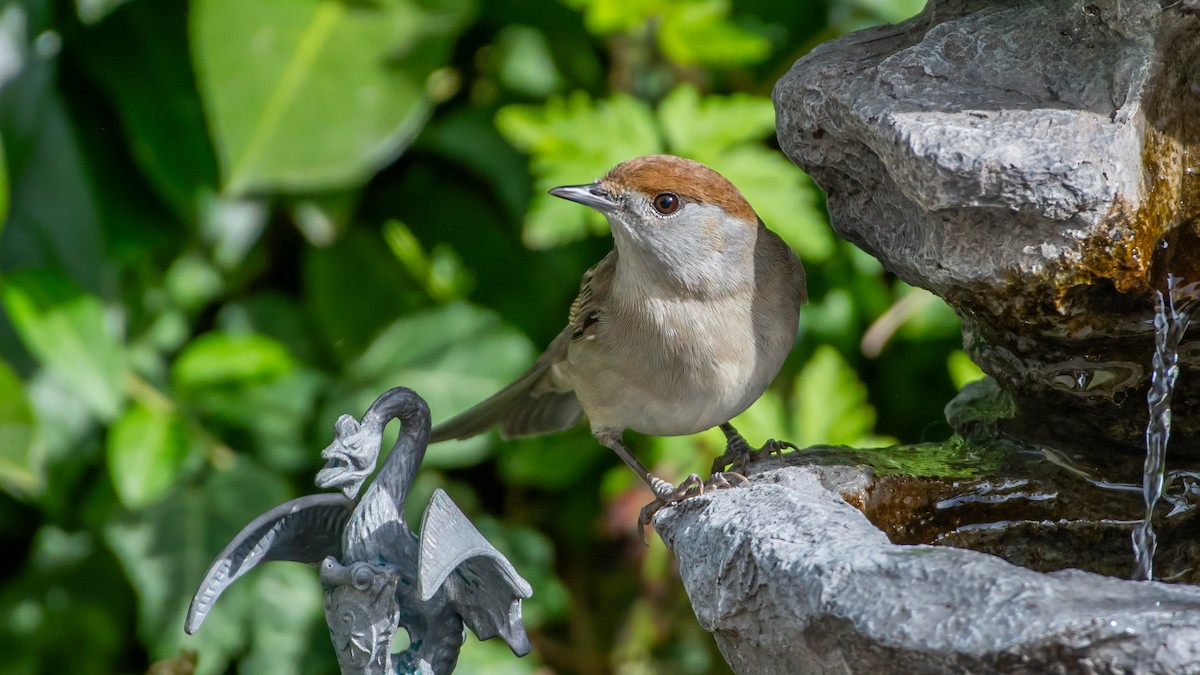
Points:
x=679, y=329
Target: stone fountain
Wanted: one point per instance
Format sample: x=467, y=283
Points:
x=1037, y=165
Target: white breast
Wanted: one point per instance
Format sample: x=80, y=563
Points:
x=679, y=366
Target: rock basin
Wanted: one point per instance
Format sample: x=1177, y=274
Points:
x=801, y=571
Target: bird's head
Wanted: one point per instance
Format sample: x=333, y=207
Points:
x=674, y=217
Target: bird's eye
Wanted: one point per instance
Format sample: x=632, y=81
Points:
x=666, y=203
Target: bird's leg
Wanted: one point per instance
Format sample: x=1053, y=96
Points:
x=664, y=492
x=738, y=452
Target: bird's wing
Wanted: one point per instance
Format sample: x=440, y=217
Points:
x=593, y=294
x=480, y=583
x=303, y=530
x=540, y=400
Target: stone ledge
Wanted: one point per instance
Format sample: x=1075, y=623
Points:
x=789, y=577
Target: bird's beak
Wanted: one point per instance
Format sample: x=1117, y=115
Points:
x=590, y=195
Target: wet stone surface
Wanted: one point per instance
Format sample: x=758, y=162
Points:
x=823, y=565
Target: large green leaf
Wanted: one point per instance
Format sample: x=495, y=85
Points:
x=219, y=359
x=453, y=356
x=20, y=461
x=146, y=451
x=316, y=94
x=66, y=330
x=250, y=391
x=831, y=404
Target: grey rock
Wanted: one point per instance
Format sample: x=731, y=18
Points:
x=813, y=587
x=1036, y=164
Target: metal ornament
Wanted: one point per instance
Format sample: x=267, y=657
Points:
x=377, y=574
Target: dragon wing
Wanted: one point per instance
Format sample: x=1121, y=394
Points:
x=303, y=530
x=481, y=584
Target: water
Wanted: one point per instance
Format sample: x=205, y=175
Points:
x=1169, y=327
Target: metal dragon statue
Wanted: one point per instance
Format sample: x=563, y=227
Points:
x=377, y=574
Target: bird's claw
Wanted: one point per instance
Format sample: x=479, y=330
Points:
x=738, y=455
x=667, y=494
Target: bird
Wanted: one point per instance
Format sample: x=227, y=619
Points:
x=680, y=328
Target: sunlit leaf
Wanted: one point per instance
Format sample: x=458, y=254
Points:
x=526, y=64
x=230, y=359
x=700, y=32
x=831, y=404
x=146, y=451
x=611, y=16
x=66, y=330
x=453, y=356
x=688, y=31
x=962, y=369
x=20, y=460
x=316, y=94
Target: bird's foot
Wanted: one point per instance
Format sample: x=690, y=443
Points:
x=667, y=494
x=738, y=453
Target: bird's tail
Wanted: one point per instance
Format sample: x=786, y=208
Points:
x=530, y=406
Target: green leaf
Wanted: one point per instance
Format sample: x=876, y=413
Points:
x=962, y=369
x=831, y=404
x=66, y=330
x=699, y=32
x=316, y=94
x=219, y=359
x=146, y=451
x=453, y=356
x=688, y=31
x=20, y=459
x=166, y=550
x=163, y=122
x=54, y=216
x=574, y=140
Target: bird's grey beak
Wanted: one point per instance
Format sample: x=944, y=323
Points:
x=590, y=195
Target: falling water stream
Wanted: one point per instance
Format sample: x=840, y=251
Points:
x=1169, y=327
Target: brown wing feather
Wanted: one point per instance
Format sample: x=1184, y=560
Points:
x=541, y=400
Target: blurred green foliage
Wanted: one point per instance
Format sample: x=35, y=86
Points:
x=225, y=223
